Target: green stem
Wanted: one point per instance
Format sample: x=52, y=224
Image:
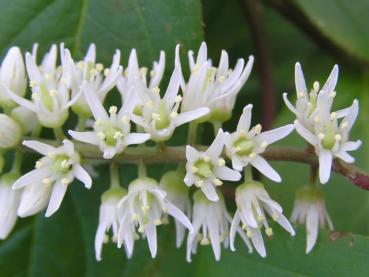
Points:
x=192, y=133
x=114, y=176
x=81, y=124
x=247, y=171
x=17, y=162
x=216, y=126
x=37, y=131
x=58, y=133
x=161, y=146
x=142, y=171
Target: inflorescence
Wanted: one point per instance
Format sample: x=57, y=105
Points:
x=150, y=111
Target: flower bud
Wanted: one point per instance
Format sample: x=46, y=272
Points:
x=12, y=76
x=10, y=132
x=26, y=119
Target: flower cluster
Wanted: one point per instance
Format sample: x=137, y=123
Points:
x=192, y=195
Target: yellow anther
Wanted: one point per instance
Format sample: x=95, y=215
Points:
x=157, y=222
x=221, y=79
x=35, y=96
x=221, y=162
x=144, y=209
x=99, y=67
x=206, y=159
x=149, y=104
x=113, y=110
x=237, y=149
x=252, y=155
x=65, y=181
x=106, y=72
x=275, y=217
x=316, y=86
x=155, y=116
x=125, y=119
x=194, y=169
x=218, y=182
x=155, y=90
x=317, y=119
x=152, y=73
x=333, y=116
x=264, y=144
x=338, y=137
x=258, y=129
x=200, y=183
x=46, y=181
x=344, y=124
x=141, y=229
x=332, y=94
x=300, y=95
x=165, y=210
x=196, y=68
x=178, y=99
x=47, y=76
x=135, y=217
x=38, y=164
x=269, y=231
x=204, y=241
x=101, y=135
x=321, y=136
x=243, y=133
x=173, y=115
x=249, y=233
x=261, y=217
x=143, y=71
x=106, y=239
x=33, y=83
x=64, y=164
x=118, y=134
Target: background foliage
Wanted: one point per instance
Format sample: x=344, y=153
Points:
x=316, y=33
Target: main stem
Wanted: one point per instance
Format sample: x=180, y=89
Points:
x=114, y=176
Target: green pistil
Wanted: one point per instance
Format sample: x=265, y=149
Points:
x=46, y=97
x=61, y=164
x=163, y=119
x=204, y=168
x=244, y=146
x=329, y=139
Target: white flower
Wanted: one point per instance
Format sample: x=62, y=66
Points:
x=159, y=116
x=10, y=132
x=331, y=139
x=143, y=208
x=309, y=209
x=111, y=132
x=50, y=96
x=108, y=218
x=245, y=145
x=57, y=169
x=26, y=119
x=311, y=106
x=253, y=204
x=101, y=79
x=211, y=225
x=206, y=169
x=213, y=87
x=134, y=74
x=177, y=193
x=12, y=76
x=9, y=201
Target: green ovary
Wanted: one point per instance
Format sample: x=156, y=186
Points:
x=163, y=120
x=244, y=146
x=60, y=164
x=204, y=169
x=329, y=138
x=46, y=98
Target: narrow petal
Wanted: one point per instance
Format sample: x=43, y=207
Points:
x=179, y=215
x=93, y=101
x=99, y=241
x=351, y=145
x=87, y=137
x=19, y=100
x=136, y=138
x=225, y=173
x=325, y=165
x=40, y=147
x=263, y=166
x=216, y=148
x=331, y=82
x=233, y=230
x=345, y=157
x=300, y=79
x=312, y=227
x=202, y=54
x=188, y=116
x=82, y=175
x=289, y=104
x=245, y=119
x=191, y=153
x=276, y=134
x=305, y=133
x=214, y=237
x=258, y=242
x=56, y=198
x=151, y=239
x=209, y=190
x=283, y=221
x=33, y=176
x=173, y=87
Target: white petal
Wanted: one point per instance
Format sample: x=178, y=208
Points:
x=331, y=82
x=19, y=100
x=216, y=148
x=258, y=242
x=82, y=175
x=289, y=104
x=33, y=176
x=351, y=145
x=188, y=116
x=345, y=157
x=99, y=241
x=300, y=79
x=305, y=133
x=352, y=114
x=173, y=87
x=150, y=230
x=91, y=53
x=245, y=119
x=214, y=237
x=180, y=233
x=276, y=134
x=136, y=138
x=263, y=166
x=202, y=54
x=93, y=101
x=191, y=153
x=325, y=165
x=225, y=173
x=56, y=198
x=312, y=227
x=179, y=215
x=87, y=137
x=233, y=230
x=283, y=221
x=38, y=146
x=209, y=190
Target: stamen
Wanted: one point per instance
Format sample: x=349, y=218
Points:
x=173, y=115
x=321, y=136
x=99, y=67
x=218, y=182
x=194, y=169
x=269, y=231
x=118, y=135
x=221, y=162
x=316, y=86
x=243, y=133
x=206, y=159
x=65, y=181
x=157, y=222
x=332, y=94
x=200, y=183
x=141, y=229
x=275, y=217
x=338, y=137
x=106, y=72
x=125, y=119
x=204, y=241
x=221, y=79
x=178, y=99
x=38, y=164
x=252, y=155
x=113, y=110
x=258, y=129
x=264, y=144
x=65, y=164
x=101, y=135
x=155, y=90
